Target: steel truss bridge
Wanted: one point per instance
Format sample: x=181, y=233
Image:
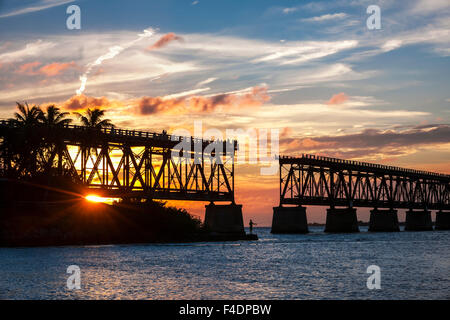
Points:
x=317, y=180
x=135, y=164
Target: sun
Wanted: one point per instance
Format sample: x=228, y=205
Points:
x=95, y=198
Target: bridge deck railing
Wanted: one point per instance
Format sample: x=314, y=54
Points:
x=368, y=165
x=117, y=132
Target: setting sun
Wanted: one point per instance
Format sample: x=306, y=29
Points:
x=95, y=198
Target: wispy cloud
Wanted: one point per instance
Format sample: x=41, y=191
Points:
x=30, y=49
x=202, y=83
x=370, y=142
x=326, y=17
x=112, y=52
x=28, y=68
x=301, y=52
x=49, y=70
x=289, y=10
x=430, y=6
x=37, y=6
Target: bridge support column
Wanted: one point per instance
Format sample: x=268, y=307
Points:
x=341, y=220
x=224, y=219
x=418, y=220
x=442, y=220
x=289, y=220
x=383, y=220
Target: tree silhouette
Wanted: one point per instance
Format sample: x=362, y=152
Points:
x=27, y=116
x=54, y=146
x=23, y=149
x=54, y=117
x=93, y=119
x=38, y=148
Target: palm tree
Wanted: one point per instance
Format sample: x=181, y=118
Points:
x=24, y=147
x=51, y=119
x=93, y=119
x=26, y=115
x=54, y=117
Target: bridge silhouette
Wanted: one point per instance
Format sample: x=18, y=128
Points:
x=122, y=163
x=132, y=164
x=324, y=181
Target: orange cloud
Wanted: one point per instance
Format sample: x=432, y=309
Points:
x=164, y=40
x=49, y=70
x=151, y=105
x=28, y=68
x=55, y=68
x=338, y=98
x=81, y=102
x=161, y=105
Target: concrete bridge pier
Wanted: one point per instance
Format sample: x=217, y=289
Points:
x=442, y=220
x=419, y=220
x=383, y=220
x=341, y=220
x=224, y=219
x=289, y=220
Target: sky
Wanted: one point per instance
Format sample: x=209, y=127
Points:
x=311, y=69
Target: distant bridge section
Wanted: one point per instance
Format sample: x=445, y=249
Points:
x=317, y=180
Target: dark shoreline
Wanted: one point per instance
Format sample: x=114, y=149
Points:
x=78, y=222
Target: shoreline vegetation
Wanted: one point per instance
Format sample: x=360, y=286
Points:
x=42, y=204
x=44, y=217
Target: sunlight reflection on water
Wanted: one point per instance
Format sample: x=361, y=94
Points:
x=414, y=265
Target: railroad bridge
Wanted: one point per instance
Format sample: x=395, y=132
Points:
x=344, y=185
x=120, y=163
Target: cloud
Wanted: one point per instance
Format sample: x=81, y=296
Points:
x=326, y=17
x=185, y=93
x=370, y=141
x=430, y=6
x=48, y=70
x=202, y=104
x=112, y=52
x=391, y=45
x=56, y=68
x=296, y=53
x=175, y=104
x=289, y=10
x=81, y=102
x=153, y=105
x=40, y=5
x=31, y=49
x=338, y=98
x=28, y=68
x=165, y=40
x=209, y=80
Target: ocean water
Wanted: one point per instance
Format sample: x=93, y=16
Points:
x=414, y=265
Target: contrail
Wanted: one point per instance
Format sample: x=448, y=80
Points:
x=113, y=51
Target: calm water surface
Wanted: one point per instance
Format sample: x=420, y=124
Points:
x=414, y=265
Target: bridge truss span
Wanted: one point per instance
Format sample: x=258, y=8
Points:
x=127, y=163
x=316, y=180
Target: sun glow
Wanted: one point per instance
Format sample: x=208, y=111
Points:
x=95, y=198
